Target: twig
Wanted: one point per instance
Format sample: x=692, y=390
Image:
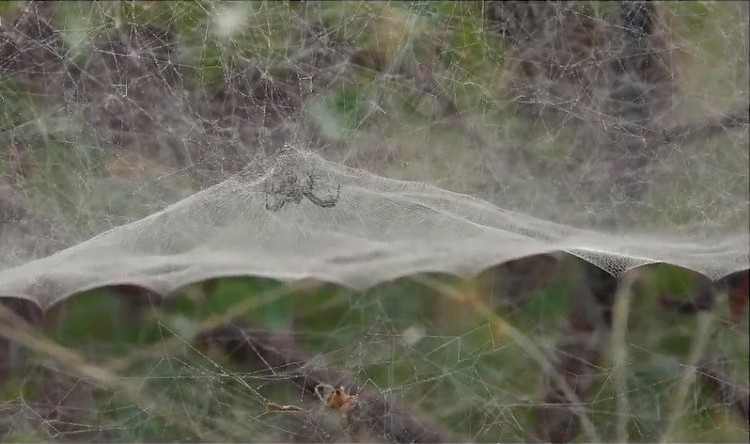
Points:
x=703, y=131
x=705, y=324
x=620, y=317
x=712, y=375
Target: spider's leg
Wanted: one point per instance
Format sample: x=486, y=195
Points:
x=330, y=203
x=278, y=203
x=335, y=199
x=310, y=182
x=267, y=192
x=323, y=203
x=313, y=198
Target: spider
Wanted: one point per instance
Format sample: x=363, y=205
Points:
x=290, y=190
x=337, y=399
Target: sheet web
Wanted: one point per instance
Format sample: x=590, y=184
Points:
x=161, y=149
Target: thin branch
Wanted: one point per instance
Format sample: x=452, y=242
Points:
x=711, y=374
x=702, y=131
